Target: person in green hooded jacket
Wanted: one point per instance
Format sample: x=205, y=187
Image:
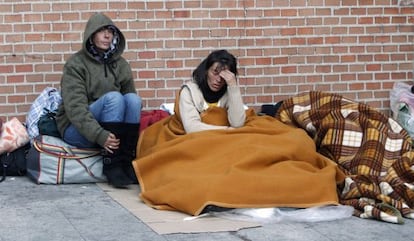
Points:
x=100, y=105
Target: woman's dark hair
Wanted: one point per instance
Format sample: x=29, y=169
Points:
x=225, y=59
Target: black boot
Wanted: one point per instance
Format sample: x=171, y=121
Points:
x=113, y=162
x=128, y=147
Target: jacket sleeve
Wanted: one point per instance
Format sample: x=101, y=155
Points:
x=75, y=100
x=235, y=108
x=190, y=116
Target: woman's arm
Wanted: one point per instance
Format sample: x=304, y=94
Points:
x=235, y=108
x=236, y=113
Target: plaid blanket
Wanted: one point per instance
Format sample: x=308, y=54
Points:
x=373, y=150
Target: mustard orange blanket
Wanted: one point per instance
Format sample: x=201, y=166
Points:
x=372, y=149
x=263, y=164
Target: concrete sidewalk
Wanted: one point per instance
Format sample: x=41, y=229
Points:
x=85, y=212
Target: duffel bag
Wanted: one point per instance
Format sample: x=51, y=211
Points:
x=50, y=160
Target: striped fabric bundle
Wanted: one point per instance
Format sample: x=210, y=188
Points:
x=373, y=150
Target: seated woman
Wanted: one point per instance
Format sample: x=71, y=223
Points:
x=213, y=152
x=214, y=85
x=100, y=106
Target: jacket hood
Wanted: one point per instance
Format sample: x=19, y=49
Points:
x=95, y=23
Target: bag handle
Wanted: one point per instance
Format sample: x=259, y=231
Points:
x=64, y=152
x=67, y=153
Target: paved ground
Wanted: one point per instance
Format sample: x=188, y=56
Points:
x=84, y=212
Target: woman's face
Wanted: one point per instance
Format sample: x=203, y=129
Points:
x=103, y=39
x=214, y=80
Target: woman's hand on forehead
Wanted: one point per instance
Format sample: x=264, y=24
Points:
x=228, y=76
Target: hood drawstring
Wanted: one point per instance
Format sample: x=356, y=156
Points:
x=105, y=67
x=106, y=61
x=111, y=67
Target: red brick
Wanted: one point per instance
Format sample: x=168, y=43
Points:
x=288, y=31
x=174, y=64
x=24, y=68
x=146, y=55
x=315, y=40
x=6, y=69
x=146, y=74
x=15, y=79
x=181, y=14
x=288, y=69
x=323, y=69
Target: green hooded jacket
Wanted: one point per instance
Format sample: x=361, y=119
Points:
x=87, y=75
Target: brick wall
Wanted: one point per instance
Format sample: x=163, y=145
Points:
x=353, y=47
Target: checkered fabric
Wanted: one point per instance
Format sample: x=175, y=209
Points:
x=373, y=150
x=49, y=99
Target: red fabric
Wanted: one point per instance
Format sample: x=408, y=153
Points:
x=150, y=117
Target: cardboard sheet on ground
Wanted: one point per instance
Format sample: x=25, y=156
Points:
x=167, y=222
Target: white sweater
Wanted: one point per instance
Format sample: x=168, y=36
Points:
x=192, y=104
